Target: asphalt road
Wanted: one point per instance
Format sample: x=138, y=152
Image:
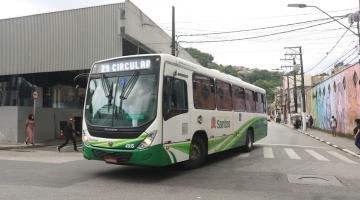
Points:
x=284, y=165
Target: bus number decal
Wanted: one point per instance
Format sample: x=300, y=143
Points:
x=129, y=146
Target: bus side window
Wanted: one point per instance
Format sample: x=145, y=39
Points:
x=255, y=98
x=203, y=92
x=223, y=96
x=263, y=103
x=248, y=100
x=238, y=98
x=174, y=97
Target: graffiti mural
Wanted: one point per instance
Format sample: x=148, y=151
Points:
x=337, y=96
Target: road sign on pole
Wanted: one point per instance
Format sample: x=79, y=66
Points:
x=35, y=95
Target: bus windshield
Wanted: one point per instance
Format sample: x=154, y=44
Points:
x=121, y=101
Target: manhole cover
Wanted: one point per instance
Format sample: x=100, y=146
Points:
x=314, y=180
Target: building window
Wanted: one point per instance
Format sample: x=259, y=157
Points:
x=203, y=92
x=223, y=96
x=355, y=78
x=344, y=83
x=323, y=91
x=329, y=88
x=334, y=87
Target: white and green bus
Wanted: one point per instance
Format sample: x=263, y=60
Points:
x=157, y=110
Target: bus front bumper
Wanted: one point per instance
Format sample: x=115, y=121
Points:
x=155, y=156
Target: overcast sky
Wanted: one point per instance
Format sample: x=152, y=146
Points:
x=206, y=16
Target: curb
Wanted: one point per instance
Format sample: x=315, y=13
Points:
x=331, y=144
x=21, y=147
x=2, y=148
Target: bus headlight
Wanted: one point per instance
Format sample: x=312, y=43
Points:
x=148, y=140
x=85, y=138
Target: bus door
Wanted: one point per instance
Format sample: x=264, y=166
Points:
x=176, y=115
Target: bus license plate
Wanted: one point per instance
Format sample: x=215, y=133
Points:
x=111, y=159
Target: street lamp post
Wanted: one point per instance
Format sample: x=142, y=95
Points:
x=354, y=17
x=298, y=5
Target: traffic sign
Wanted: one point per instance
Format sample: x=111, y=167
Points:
x=35, y=95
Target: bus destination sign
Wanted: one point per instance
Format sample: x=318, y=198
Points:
x=119, y=66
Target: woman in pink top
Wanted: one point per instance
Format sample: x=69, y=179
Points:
x=29, y=128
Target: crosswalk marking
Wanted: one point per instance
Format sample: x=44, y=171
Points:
x=268, y=152
x=291, y=153
x=316, y=155
x=341, y=157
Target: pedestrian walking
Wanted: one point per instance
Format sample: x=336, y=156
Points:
x=357, y=133
x=29, y=129
x=307, y=121
x=333, y=125
x=69, y=135
x=311, y=121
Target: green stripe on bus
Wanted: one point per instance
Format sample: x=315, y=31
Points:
x=239, y=136
x=173, y=156
x=183, y=147
x=119, y=143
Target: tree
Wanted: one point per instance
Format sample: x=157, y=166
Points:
x=203, y=58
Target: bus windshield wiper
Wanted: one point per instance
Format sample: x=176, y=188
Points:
x=108, y=90
x=126, y=90
x=129, y=86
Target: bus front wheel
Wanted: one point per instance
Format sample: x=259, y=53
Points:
x=197, y=153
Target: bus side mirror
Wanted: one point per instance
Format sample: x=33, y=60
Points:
x=80, y=80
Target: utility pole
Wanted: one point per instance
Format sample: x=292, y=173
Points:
x=295, y=91
x=298, y=52
x=173, y=47
x=288, y=86
x=288, y=92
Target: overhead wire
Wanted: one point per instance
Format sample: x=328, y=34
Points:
x=266, y=17
x=260, y=28
x=327, y=53
x=328, y=67
x=349, y=63
x=258, y=36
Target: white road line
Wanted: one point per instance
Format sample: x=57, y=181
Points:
x=291, y=153
x=268, y=152
x=289, y=145
x=244, y=155
x=341, y=157
x=316, y=155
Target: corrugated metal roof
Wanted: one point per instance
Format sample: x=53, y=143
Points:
x=59, y=41
x=74, y=39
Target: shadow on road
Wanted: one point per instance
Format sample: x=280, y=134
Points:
x=154, y=175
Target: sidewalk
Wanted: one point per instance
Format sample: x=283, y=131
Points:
x=54, y=142
x=341, y=141
x=346, y=144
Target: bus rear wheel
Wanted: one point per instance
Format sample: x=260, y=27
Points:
x=197, y=153
x=249, y=141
